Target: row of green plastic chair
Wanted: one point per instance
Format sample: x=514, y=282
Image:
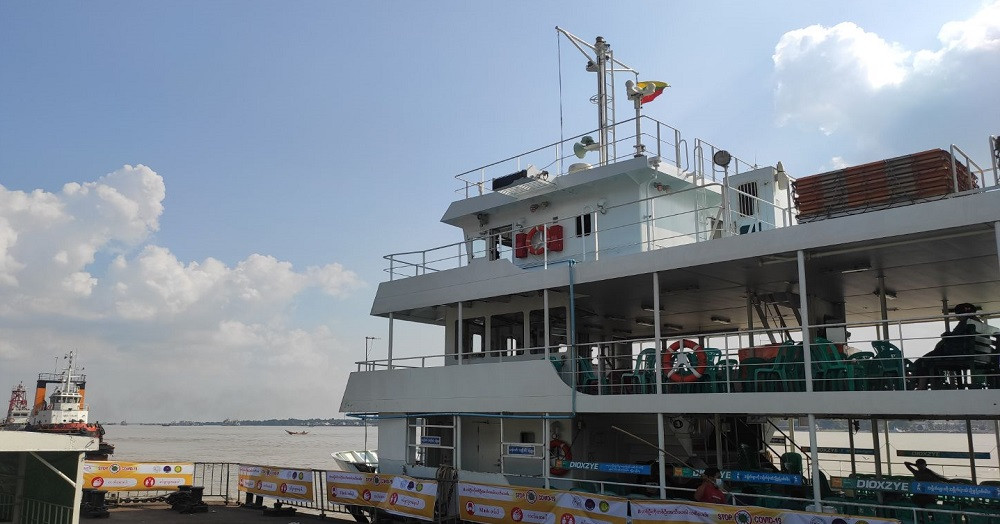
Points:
x=881, y=369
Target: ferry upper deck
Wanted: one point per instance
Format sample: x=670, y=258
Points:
x=563, y=285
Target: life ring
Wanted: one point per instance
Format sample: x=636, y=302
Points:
x=529, y=241
x=676, y=361
x=558, y=450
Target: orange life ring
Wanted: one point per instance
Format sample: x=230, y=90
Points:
x=558, y=450
x=672, y=361
x=529, y=242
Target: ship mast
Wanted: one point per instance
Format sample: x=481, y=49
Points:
x=601, y=60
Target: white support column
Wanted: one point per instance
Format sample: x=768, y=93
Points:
x=657, y=333
x=460, y=337
x=807, y=362
x=389, y=364
x=78, y=494
x=661, y=442
x=526, y=331
x=487, y=343
x=546, y=438
x=458, y=441
x=804, y=312
x=545, y=320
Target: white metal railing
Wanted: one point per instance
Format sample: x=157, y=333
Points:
x=41, y=512
x=667, y=144
x=702, y=222
x=601, y=373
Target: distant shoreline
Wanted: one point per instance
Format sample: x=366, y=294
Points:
x=270, y=422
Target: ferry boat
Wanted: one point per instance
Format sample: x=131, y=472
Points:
x=65, y=413
x=17, y=410
x=648, y=304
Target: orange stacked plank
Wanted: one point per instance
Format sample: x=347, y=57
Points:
x=878, y=185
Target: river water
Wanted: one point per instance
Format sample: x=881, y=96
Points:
x=263, y=445
x=273, y=446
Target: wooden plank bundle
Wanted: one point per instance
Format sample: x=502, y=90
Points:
x=887, y=183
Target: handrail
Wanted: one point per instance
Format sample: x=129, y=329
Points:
x=698, y=233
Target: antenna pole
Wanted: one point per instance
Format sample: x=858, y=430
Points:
x=601, y=68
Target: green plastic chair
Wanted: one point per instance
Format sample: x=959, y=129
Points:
x=641, y=378
x=748, y=367
x=706, y=384
x=776, y=376
x=725, y=376
x=587, y=380
x=890, y=359
x=868, y=370
x=829, y=369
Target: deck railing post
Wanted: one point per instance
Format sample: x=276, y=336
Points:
x=657, y=333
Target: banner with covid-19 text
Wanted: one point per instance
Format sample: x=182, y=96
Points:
x=398, y=494
x=661, y=511
x=490, y=504
x=137, y=476
x=280, y=483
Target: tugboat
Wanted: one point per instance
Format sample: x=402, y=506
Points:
x=65, y=413
x=17, y=410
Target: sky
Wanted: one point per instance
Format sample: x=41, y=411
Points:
x=196, y=196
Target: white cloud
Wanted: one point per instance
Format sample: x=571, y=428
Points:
x=145, y=313
x=849, y=82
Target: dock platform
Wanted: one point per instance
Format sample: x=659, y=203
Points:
x=218, y=513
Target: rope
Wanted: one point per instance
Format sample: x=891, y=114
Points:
x=561, y=137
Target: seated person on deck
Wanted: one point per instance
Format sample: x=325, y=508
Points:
x=966, y=345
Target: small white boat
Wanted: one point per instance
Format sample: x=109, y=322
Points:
x=365, y=461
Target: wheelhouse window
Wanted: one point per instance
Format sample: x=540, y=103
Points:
x=584, y=225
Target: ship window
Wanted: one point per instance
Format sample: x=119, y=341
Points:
x=507, y=334
x=583, y=225
x=748, y=198
x=473, y=333
x=557, y=329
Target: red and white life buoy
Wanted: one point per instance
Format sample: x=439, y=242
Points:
x=558, y=450
x=548, y=238
x=678, y=362
x=529, y=242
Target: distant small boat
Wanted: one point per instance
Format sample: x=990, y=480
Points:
x=297, y=432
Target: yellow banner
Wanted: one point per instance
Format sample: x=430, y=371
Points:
x=489, y=504
x=660, y=511
x=276, y=482
x=362, y=489
x=137, y=476
x=397, y=494
x=410, y=497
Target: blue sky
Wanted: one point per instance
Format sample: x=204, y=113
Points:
x=277, y=150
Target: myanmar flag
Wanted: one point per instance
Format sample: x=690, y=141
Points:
x=658, y=88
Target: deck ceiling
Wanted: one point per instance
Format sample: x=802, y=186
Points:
x=922, y=271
